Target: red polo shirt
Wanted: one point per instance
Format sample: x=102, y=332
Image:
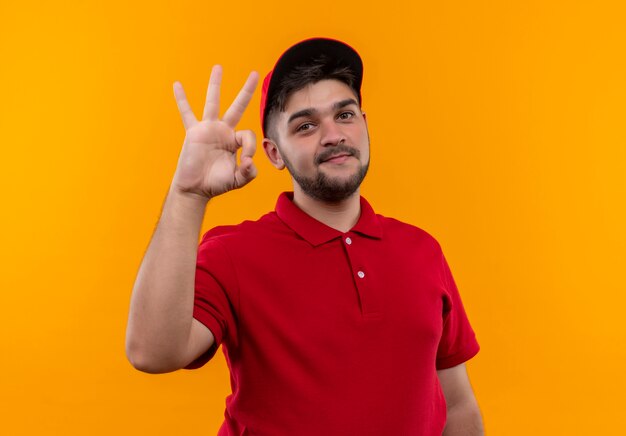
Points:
x=330, y=333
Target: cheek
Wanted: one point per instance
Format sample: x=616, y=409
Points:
x=302, y=160
x=359, y=131
x=362, y=140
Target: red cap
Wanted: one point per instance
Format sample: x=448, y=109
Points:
x=303, y=51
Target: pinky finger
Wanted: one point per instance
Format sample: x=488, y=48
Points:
x=189, y=119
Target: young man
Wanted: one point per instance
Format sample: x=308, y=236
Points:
x=333, y=320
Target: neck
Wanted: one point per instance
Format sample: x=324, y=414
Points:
x=341, y=215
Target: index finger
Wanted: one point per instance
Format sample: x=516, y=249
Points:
x=238, y=107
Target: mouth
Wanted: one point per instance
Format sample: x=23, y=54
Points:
x=337, y=158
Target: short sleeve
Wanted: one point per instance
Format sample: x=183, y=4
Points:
x=458, y=340
x=215, y=295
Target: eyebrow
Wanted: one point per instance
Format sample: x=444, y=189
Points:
x=310, y=111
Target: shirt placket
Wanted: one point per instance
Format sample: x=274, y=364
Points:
x=363, y=276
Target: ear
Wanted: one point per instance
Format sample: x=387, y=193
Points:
x=273, y=153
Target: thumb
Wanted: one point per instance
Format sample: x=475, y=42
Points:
x=246, y=170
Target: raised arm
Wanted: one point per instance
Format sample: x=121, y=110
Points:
x=161, y=334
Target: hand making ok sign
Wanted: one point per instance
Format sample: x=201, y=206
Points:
x=207, y=165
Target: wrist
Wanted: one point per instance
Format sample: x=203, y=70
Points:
x=188, y=198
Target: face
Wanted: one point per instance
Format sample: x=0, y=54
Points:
x=322, y=139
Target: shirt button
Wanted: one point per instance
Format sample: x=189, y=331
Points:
x=361, y=274
x=348, y=241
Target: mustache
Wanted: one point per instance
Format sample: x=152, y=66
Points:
x=335, y=151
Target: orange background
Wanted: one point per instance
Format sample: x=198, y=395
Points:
x=499, y=127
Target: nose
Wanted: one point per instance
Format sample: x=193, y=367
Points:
x=332, y=133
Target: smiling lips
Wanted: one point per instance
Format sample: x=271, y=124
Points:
x=338, y=158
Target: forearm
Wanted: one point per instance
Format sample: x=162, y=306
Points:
x=161, y=307
x=464, y=420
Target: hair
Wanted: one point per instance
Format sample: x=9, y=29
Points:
x=319, y=68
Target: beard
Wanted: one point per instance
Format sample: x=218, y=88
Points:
x=325, y=188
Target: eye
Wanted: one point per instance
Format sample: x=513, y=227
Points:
x=345, y=115
x=304, y=127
